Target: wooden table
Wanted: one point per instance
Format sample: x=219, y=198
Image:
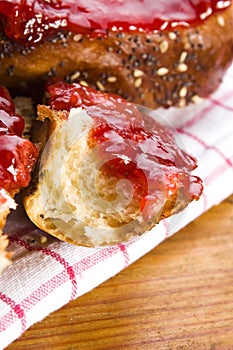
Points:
x=177, y=297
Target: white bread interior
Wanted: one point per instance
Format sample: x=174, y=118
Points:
x=73, y=200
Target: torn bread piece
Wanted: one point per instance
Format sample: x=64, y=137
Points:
x=107, y=172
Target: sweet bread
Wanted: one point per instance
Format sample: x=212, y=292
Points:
x=153, y=53
x=17, y=158
x=107, y=171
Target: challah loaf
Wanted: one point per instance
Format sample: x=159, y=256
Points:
x=153, y=53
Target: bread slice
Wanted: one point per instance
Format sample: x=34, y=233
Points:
x=163, y=68
x=88, y=187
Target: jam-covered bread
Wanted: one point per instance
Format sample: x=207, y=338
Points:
x=17, y=158
x=107, y=171
x=154, y=53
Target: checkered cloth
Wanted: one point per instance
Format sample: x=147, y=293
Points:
x=44, y=276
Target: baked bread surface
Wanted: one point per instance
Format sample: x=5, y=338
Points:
x=153, y=69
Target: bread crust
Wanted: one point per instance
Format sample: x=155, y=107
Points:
x=162, y=69
x=6, y=203
x=4, y=256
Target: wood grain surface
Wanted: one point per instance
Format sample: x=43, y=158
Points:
x=177, y=297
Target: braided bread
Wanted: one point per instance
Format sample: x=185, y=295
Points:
x=167, y=54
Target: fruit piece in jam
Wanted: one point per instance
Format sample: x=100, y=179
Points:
x=133, y=146
x=17, y=155
x=30, y=22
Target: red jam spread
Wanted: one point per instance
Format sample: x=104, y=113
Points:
x=17, y=155
x=29, y=22
x=2, y=199
x=133, y=146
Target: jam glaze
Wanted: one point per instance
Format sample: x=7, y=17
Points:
x=29, y=22
x=135, y=147
x=17, y=155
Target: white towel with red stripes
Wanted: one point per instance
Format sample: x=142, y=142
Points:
x=45, y=275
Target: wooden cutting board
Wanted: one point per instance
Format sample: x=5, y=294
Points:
x=177, y=297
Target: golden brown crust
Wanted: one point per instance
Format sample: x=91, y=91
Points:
x=4, y=256
x=163, y=69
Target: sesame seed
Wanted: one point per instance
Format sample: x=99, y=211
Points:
x=162, y=71
x=138, y=82
x=172, y=35
x=138, y=73
x=221, y=20
x=164, y=46
x=43, y=239
x=182, y=103
x=112, y=79
x=183, y=56
x=75, y=76
x=183, y=91
x=187, y=46
x=77, y=37
x=182, y=67
x=100, y=86
x=197, y=99
x=84, y=83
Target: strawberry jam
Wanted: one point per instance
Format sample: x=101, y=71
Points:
x=29, y=21
x=17, y=155
x=133, y=146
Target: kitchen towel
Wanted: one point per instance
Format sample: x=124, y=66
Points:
x=46, y=273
